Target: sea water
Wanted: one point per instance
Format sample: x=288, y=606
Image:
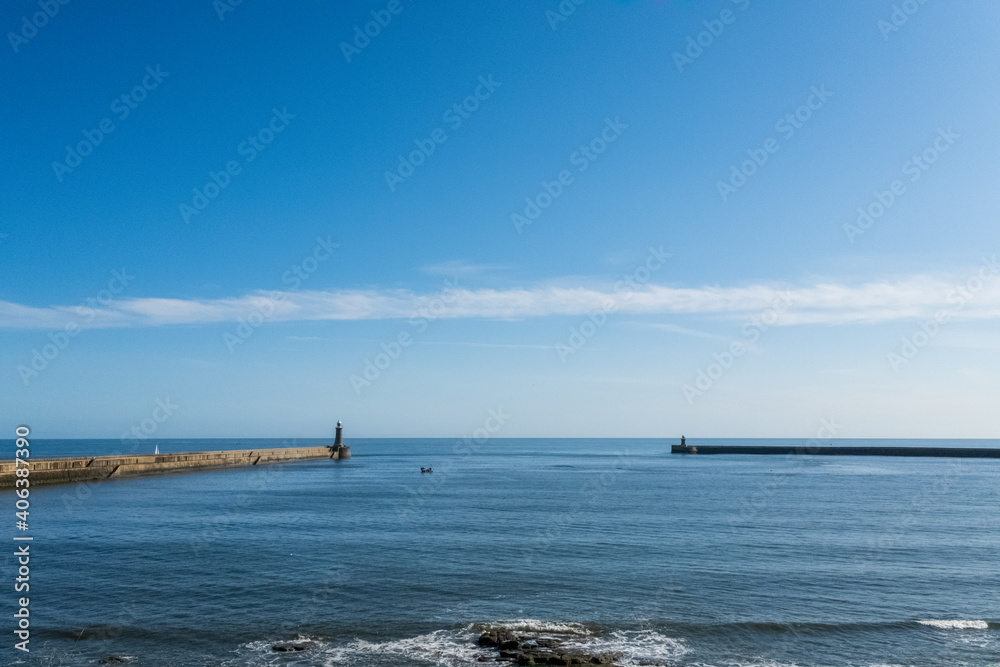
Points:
x=669, y=559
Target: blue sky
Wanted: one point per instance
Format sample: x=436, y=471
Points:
x=611, y=314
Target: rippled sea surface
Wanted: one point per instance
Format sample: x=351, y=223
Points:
x=669, y=559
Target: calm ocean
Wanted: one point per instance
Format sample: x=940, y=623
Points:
x=670, y=559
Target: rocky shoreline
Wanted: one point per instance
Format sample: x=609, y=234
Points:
x=532, y=648
x=504, y=644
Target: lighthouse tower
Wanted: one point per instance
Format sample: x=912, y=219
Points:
x=340, y=451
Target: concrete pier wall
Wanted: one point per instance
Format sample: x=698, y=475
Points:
x=93, y=468
x=958, y=452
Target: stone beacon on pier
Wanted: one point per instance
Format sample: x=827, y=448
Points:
x=340, y=451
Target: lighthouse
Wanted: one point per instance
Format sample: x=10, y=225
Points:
x=340, y=451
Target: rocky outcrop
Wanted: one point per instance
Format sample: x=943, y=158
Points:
x=289, y=647
x=502, y=638
x=533, y=649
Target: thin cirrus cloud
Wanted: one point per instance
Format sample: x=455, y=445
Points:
x=827, y=303
x=461, y=269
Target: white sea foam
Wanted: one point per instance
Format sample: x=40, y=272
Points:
x=260, y=653
x=765, y=662
x=762, y=662
x=532, y=625
x=457, y=648
x=443, y=647
x=957, y=625
x=645, y=647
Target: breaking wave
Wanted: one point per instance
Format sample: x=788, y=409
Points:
x=532, y=625
x=457, y=648
x=445, y=648
x=643, y=647
x=957, y=625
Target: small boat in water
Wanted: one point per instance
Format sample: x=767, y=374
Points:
x=423, y=470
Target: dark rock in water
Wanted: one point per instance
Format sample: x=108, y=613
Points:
x=496, y=637
x=112, y=660
x=530, y=649
x=287, y=647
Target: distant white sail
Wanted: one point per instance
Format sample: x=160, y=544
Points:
x=157, y=450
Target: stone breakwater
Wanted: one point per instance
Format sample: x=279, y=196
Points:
x=96, y=468
x=945, y=452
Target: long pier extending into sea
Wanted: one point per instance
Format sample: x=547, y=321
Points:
x=97, y=468
x=959, y=452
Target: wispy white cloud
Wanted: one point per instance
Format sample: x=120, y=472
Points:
x=827, y=303
x=461, y=269
x=463, y=343
x=685, y=331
